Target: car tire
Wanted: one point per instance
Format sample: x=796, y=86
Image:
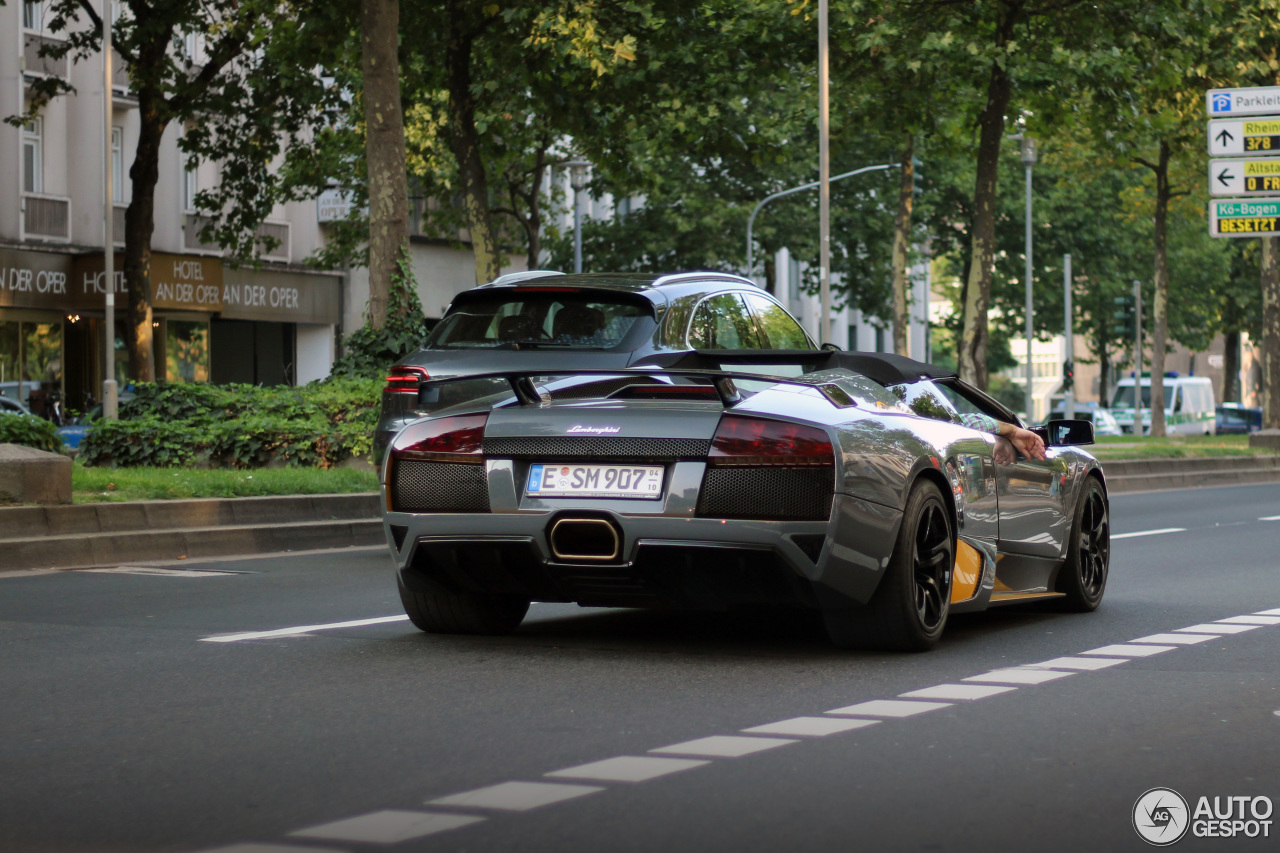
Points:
x=908, y=610
x=1083, y=577
x=440, y=612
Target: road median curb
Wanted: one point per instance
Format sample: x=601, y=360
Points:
x=105, y=534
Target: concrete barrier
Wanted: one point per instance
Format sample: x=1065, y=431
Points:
x=31, y=476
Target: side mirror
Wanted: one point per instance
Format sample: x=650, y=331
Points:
x=830, y=347
x=1068, y=433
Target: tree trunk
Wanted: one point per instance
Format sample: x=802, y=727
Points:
x=771, y=275
x=1231, y=367
x=139, y=223
x=1160, y=303
x=1271, y=332
x=974, y=338
x=384, y=150
x=465, y=143
x=901, y=239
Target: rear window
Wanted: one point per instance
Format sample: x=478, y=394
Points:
x=539, y=320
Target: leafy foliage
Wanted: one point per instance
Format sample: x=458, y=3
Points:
x=368, y=351
x=238, y=426
x=29, y=432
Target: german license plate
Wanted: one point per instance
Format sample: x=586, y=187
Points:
x=595, y=481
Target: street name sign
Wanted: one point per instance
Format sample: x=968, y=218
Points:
x=1241, y=137
x=1254, y=101
x=1244, y=217
x=1244, y=177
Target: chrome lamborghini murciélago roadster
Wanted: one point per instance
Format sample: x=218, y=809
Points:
x=844, y=483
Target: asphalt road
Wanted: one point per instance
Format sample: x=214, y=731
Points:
x=127, y=727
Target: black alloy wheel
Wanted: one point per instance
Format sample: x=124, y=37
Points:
x=932, y=564
x=1083, y=576
x=908, y=611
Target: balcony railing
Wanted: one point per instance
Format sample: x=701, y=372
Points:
x=34, y=63
x=46, y=217
x=278, y=233
x=192, y=224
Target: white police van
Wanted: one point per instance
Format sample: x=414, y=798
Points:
x=1188, y=405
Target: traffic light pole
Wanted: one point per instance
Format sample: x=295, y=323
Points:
x=1069, y=379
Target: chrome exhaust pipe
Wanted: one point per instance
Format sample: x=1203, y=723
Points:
x=591, y=539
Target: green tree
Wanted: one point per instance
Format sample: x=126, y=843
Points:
x=244, y=96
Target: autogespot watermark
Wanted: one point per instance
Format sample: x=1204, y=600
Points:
x=1162, y=816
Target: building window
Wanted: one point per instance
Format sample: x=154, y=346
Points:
x=117, y=165
x=33, y=16
x=186, y=351
x=190, y=187
x=33, y=156
x=879, y=339
x=853, y=338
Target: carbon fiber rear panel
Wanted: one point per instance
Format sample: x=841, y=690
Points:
x=768, y=494
x=418, y=486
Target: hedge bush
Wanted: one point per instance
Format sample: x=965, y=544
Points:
x=30, y=432
x=238, y=426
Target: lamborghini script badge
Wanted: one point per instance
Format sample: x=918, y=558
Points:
x=579, y=429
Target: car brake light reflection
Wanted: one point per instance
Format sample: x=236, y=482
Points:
x=458, y=436
x=751, y=442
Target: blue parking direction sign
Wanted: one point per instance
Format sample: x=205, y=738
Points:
x=1250, y=137
x=1245, y=177
x=1244, y=217
x=1252, y=101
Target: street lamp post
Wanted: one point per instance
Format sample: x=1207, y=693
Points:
x=109, y=391
x=824, y=178
x=751, y=220
x=1029, y=160
x=577, y=180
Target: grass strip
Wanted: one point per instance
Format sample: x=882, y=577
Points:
x=95, y=485
x=1118, y=447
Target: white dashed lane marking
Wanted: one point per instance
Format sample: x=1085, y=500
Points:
x=516, y=796
x=301, y=629
x=1249, y=620
x=1018, y=675
x=387, y=827
x=889, y=708
x=957, y=691
x=1115, y=536
x=724, y=746
x=1132, y=651
x=628, y=768
x=1275, y=612
x=1216, y=628
x=1087, y=664
x=810, y=726
x=270, y=848
x=1177, y=639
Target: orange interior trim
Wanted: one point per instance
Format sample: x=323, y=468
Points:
x=964, y=585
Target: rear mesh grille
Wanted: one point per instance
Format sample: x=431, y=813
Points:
x=781, y=494
x=597, y=447
x=438, y=487
x=589, y=390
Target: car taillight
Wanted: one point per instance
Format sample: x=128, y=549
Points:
x=755, y=442
x=457, y=437
x=404, y=380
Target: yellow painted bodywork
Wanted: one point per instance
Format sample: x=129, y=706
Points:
x=968, y=571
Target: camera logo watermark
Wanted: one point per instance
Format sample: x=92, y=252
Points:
x=1160, y=816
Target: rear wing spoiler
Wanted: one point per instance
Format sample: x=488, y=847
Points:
x=721, y=367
